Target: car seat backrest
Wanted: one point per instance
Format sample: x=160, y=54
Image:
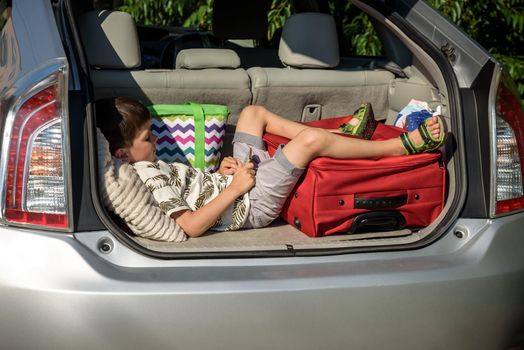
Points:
x=207, y=58
x=309, y=40
x=203, y=75
x=312, y=86
x=112, y=48
x=110, y=39
x=210, y=76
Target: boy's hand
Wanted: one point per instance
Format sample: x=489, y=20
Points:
x=229, y=166
x=244, y=178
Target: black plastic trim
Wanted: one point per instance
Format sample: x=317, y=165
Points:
x=84, y=216
x=477, y=141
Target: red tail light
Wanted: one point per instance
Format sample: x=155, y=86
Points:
x=35, y=187
x=509, y=143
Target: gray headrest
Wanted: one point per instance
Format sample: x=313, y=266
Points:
x=110, y=39
x=207, y=58
x=309, y=40
x=240, y=19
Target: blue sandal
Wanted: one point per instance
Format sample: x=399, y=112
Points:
x=429, y=143
x=367, y=124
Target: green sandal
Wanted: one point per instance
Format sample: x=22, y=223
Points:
x=429, y=143
x=367, y=124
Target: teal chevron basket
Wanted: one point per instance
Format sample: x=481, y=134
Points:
x=190, y=133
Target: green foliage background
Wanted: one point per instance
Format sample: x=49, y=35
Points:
x=498, y=25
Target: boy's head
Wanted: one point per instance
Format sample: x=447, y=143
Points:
x=126, y=125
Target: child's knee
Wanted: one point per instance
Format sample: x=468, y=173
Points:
x=252, y=112
x=312, y=140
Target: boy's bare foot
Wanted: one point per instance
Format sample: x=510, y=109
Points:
x=433, y=127
x=431, y=138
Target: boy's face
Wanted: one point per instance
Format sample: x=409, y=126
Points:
x=143, y=147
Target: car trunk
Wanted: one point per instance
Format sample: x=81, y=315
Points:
x=427, y=76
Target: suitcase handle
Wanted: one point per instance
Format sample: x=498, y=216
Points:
x=380, y=202
x=378, y=221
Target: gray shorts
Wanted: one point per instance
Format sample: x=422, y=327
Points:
x=275, y=178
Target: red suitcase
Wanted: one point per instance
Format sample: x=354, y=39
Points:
x=364, y=195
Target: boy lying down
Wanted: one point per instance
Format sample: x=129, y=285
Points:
x=250, y=188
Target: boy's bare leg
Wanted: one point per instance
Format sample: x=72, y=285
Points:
x=313, y=142
x=256, y=120
x=308, y=143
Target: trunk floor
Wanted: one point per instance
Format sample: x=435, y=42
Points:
x=277, y=236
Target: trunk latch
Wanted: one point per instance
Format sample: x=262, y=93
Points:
x=449, y=51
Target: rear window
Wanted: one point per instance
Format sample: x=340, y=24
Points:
x=355, y=30
x=357, y=35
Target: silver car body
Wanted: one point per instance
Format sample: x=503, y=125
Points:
x=87, y=290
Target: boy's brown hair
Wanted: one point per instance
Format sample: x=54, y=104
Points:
x=120, y=120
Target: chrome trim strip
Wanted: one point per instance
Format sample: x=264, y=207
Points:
x=492, y=122
x=63, y=107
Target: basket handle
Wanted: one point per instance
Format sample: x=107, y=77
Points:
x=200, y=138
